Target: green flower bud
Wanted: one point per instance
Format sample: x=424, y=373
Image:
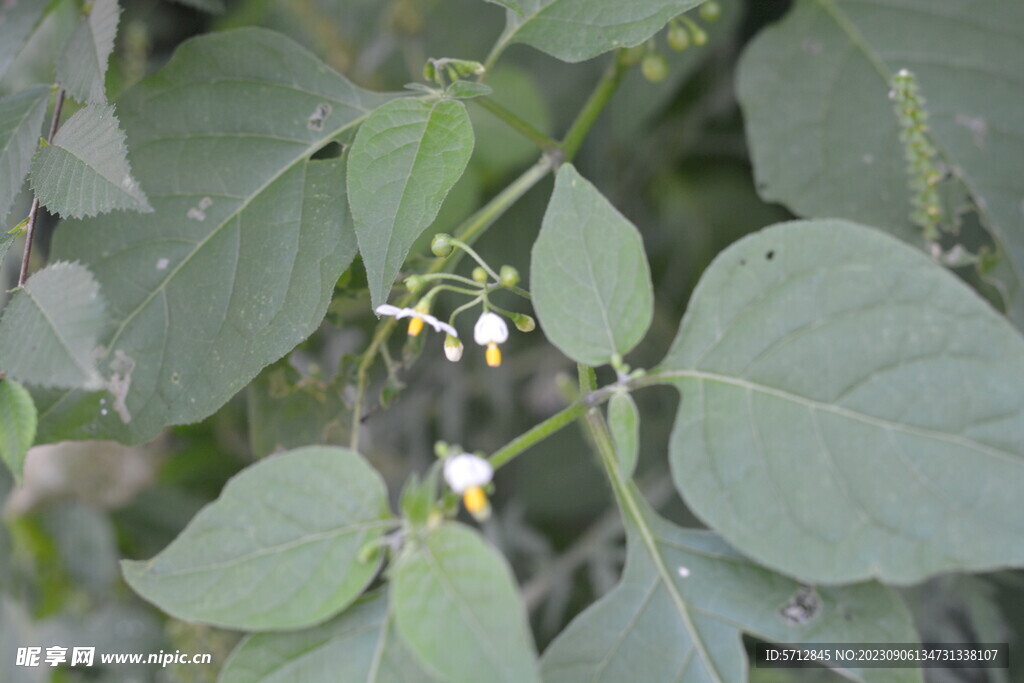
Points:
x=509, y=276
x=700, y=37
x=479, y=275
x=524, y=323
x=441, y=245
x=441, y=449
x=415, y=283
x=678, y=37
x=654, y=67
x=631, y=56
x=710, y=11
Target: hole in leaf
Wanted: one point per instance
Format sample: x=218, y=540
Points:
x=332, y=150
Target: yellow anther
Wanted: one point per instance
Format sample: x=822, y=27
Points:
x=415, y=326
x=476, y=502
x=493, y=355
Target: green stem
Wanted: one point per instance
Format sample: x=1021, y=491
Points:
x=538, y=433
x=449, y=276
x=524, y=128
x=463, y=307
x=476, y=257
x=592, y=109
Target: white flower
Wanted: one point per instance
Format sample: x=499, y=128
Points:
x=467, y=474
x=399, y=313
x=491, y=330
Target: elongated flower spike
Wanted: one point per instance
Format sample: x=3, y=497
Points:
x=467, y=475
x=418, y=319
x=491, y=330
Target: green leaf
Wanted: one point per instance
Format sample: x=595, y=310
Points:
x=50, y=329
x=405, y=158
x=278, y=549
x=850, y=409
x=507, y=4
x=590, y=279
x=17, y=19
x=457, y=608
x=358, y=646
x=238, y=262
x=21, y=119
x=288, y=410
x=624, y=423
x=575, y=30
x=211, y=6
x=466, y=90
x=82, y=67
x=17, y=425
x=823, y=134
x=686, y=596
x=84, y=171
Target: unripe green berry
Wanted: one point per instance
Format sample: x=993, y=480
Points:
x=509, y=276
x=631, y=56
x=441, y=245
x=678, y=37
x=700, y=37
x=710, y=11
x=524, y=323
x=479, y=275
x=654, y=67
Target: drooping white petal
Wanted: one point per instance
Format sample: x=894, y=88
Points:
x=465, y=471
x=387, y=309
x=489, y=328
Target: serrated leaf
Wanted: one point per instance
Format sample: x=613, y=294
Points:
x=590, y=280
x=850, y=409
x=21, y=119
x=17, y=19
x=278, y=549
x=358, y=646
x=575, y=30
x=17, y=425
x=239, y=261
x=84, y=171
x=50, y=329
x=457, y=608
x=405, y=158
x=686, y=596
x=823, y=134
x=82, y=67
x=624, y=423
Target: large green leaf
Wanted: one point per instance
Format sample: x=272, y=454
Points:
x=850, y=409
x=589, y=274
x=239, y=260
x=85, y=170
x=823, y=134
x=21, y=118
x=278, y=549
x=358, y=646
x=575, y=30
x=17, y=19
x=404, y=160
x=17, y=425
x=82, y=66
x=50, y=330
x=457, y=608
x=685, y=598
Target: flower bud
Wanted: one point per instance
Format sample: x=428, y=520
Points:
x=509, y=276
x=479, y=275
x=524, y=323
x=452, y=348
x=700, y=37
x=631, y=56
x=654, y=67
x=441, y=245
x=710, y=11
x=415, y=283
x=678, y=37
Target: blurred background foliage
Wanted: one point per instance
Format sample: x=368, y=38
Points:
x=670, y=155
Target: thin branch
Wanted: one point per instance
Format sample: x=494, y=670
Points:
x=30, y=229
x=524, y=128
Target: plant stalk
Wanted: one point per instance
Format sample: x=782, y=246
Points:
x=30, y=229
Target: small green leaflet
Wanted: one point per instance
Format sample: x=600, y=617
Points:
x=590, y=279
x=21, y=119
x=826, y=149
x=50, y=329
x=83, y=64
x=576, y=30
x=358, y=646
x=278, y=549
x=457, y=608
x=17, y=425
x=239, y=260
x=850, y=409
x=686, y=596
x=405, y=158
x=624, y=423
x=85, y=170
x=17, y=20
